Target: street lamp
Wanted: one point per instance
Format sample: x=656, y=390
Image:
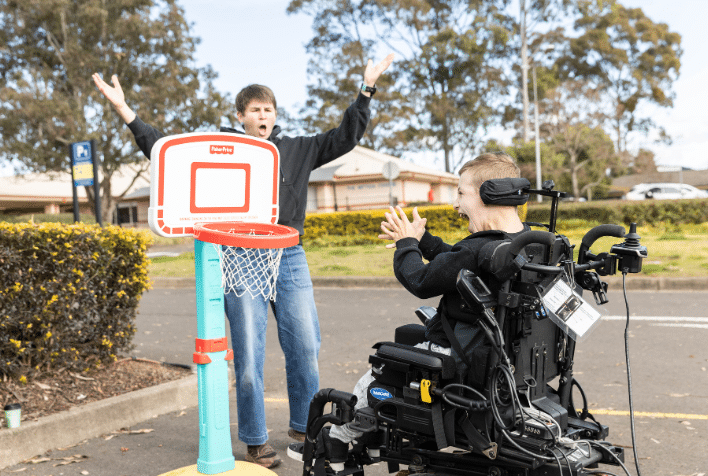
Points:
x=539, y=180
x=539, y=198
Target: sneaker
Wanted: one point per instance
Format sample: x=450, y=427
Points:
x=263, y=455
x=296, y=435
x=336, y=451
x=296, y=451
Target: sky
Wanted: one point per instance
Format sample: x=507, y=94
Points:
x=258, y=42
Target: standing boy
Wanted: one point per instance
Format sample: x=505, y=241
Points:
x=294, y=310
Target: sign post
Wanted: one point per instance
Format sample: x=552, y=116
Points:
x=84, y=171
x=390, y=171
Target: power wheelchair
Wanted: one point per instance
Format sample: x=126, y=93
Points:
x=424, y=414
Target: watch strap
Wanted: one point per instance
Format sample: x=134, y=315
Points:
x=368, y=89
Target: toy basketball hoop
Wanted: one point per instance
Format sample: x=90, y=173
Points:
x=221, y=189
x=249, y=254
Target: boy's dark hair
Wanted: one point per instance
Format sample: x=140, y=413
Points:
x=253, y=92
x=491, y=165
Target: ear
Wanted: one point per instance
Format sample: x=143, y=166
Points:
x=239, y=116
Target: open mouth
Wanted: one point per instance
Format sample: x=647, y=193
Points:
x=262, y=128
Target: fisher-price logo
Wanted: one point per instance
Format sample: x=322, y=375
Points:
x=221, y=149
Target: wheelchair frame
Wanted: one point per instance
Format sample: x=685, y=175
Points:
x=436, y=424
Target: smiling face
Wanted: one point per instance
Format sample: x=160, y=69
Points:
x=469, y=204
x=258, y=118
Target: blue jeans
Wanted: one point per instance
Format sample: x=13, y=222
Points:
x=299, y=336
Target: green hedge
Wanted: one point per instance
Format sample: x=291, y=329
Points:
x=362, y=227
x=645, y=212
x=68, y=295
x=67, y=218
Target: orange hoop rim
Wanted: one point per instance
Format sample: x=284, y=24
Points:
x=247, y=235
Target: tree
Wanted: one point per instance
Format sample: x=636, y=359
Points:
x=632, y=59
x=525, y=155
x=532, y=41
x=445, y=85
x=47, y=97
x=588, y=153
x=643, y=162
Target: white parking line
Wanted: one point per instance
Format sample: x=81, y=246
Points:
x=665, y=321
x=693, y=326
x=656, y=318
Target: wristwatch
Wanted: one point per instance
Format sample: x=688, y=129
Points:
x=368, y=89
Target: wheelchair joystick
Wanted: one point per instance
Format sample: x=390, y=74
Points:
x=630, y=252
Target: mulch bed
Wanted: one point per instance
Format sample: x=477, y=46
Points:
x=52, y=394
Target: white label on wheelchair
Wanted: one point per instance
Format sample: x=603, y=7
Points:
x=569, y=310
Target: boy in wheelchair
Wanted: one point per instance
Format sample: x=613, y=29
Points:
x=443, y=398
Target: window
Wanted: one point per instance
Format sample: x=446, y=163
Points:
x=126, y=214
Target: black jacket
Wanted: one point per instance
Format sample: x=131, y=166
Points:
x=439, y=275
x=298, y=155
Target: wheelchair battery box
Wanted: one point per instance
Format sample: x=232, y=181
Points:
x=394, y=367
x=405, y=415
x=398, y=365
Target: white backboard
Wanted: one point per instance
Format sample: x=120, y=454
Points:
x=207, y=177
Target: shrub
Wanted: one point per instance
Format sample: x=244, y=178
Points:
x=366, y=225
x=648, y=212
x=363, y=227
x=66, y=218
x=68, y=295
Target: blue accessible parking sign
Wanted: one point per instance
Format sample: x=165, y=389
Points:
x=82, y=163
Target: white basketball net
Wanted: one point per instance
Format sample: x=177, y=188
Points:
x=252, y=270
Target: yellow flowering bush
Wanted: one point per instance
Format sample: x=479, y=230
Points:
x=366, y=224
x=68, y=295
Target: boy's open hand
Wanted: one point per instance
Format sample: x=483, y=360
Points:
x=396, y=228
x=115, y=95
x=372, y=73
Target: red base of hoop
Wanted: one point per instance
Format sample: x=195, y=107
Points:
x=247, y=235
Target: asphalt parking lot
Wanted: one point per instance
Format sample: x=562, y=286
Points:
x=668, y=361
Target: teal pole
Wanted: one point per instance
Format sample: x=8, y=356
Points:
x=212, y=356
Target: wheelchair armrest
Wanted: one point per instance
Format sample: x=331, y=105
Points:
x=425, y=312
x=409, y=334
x=397, y=354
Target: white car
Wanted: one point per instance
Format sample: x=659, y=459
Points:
x=664, y=191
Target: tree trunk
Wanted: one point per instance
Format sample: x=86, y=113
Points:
x=574, y=174
x=446, y=146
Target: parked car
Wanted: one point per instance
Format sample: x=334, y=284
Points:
x=664, y=191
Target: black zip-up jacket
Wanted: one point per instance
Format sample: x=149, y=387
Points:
x=439, y=275
x=298, y=155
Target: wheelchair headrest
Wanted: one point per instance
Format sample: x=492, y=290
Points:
x=506, y=191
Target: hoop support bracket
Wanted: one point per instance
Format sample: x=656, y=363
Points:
x=206, y=346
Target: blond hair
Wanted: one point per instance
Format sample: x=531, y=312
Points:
x=490, y=165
